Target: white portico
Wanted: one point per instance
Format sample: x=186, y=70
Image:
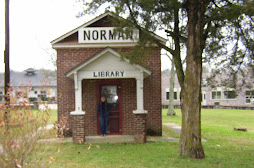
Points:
x=107, y=64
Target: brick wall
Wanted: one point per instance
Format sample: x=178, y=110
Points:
x=140, y=127
x=67, y=59
x=78, y=128
x=152, y=94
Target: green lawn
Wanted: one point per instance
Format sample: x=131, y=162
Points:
x=224, y=147
x=53, y=115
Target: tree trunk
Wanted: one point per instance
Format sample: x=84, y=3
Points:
x=190, y=140
x=171, y=111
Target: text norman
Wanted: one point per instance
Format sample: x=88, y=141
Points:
x=105, y=35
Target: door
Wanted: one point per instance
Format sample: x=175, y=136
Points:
x=203, y=101
x=112, y=93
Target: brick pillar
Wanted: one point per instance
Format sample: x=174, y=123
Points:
x=78, y=128
x=140, y=128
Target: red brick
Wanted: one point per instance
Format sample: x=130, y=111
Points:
x=70, y=58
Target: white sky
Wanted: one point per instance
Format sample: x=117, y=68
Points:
x=33, y=24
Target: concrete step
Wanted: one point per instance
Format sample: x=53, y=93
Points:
x=112, y=139
x=96, y=139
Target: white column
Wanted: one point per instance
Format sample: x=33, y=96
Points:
x=78, y=96
x=140, y=94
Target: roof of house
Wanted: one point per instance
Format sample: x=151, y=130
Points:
x=87, y=24
x=30, y=77
x=219, y=80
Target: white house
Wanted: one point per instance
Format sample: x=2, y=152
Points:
x=34, y=85
x=218, y=96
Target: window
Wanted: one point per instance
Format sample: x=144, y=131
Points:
x=175, y=95
x=35, y=92
x=249, y=95
x=216, y=94
x=203, y=97
x=43, y=96
x=167, y=95
x=229, y=94
x=1, y=96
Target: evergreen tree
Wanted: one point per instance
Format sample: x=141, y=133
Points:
x=217, y=31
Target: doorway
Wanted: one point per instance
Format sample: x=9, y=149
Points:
x=203, y=100
x=112, y=91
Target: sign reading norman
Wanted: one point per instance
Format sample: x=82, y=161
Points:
x=105, y=35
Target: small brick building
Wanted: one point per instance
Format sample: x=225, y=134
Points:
x=89, y=65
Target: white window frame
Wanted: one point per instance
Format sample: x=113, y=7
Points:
x=216, y=97
x=174, y=95
x=250, y=97
x=229, y=98
x=175, y=91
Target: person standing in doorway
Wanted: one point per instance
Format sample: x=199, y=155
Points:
x=103, y=109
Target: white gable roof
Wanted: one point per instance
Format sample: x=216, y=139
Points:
x=89, y=23
x=90, y=64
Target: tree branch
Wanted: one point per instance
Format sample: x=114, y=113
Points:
x=174, y=35
x=147, y=32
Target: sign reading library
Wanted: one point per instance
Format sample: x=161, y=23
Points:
x=105, y=35
x=108, y=74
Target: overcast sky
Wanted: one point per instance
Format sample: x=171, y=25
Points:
x=33, y=24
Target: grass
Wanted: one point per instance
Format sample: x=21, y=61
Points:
x=52, y=118
x=168, y=132
x=224, y=147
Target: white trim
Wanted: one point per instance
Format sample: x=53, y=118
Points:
x=77, y=68
x=203, y=98
x=76, y=79
x=59, y=46
x=175, y=89
x=77, y=113
x=217, y=89
x=140, y=111
x=140, y=94
x=78, y=95
x=159, y=38
x=211, y=94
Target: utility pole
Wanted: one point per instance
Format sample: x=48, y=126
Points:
x=6, y=60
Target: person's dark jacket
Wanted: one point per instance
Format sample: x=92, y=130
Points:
x=100, y=109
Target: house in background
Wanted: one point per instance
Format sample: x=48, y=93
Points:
x=33, y=85
x=211, y=97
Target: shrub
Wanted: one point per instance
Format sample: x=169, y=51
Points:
x=20, y=130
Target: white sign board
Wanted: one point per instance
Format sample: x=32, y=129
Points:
x=105, y=35
x=108, y=74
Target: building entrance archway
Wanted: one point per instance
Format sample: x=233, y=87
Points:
x=112, y=91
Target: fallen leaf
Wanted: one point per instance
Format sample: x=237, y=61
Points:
x=12, y=142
